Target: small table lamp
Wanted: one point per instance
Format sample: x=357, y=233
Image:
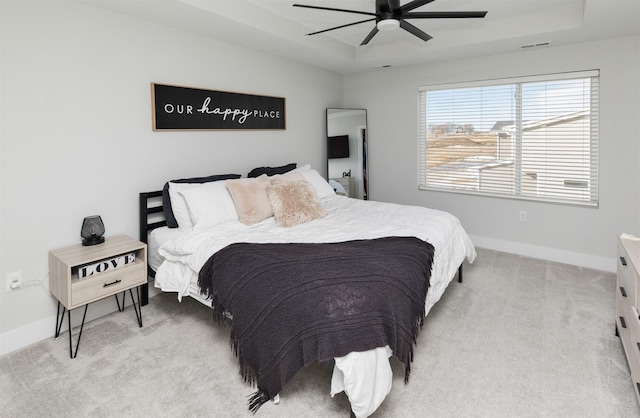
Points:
x=92, y=230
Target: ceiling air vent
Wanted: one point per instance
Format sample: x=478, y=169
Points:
x=536, y=45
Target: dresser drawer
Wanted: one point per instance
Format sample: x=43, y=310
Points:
x=621, y=324
x=626, y=328
x=107, y=284
x=633, y=347
x=626, y=280
x=633, y=325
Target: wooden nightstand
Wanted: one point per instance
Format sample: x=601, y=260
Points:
x=348, y=184
x=115, y=272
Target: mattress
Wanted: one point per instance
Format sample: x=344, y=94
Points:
x=157, y=237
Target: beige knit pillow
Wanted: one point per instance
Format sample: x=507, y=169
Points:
x=294, y=203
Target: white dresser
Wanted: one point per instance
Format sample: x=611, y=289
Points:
x=628, y=305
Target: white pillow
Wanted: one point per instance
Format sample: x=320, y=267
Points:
x=323, y=189
x=209, y=204
x=290, y=176
x=302, y=168
x=178, y=204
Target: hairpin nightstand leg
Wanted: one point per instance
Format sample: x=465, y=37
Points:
x=138, y=308
x=71, y=353
x=59, y=320
x=124, y=296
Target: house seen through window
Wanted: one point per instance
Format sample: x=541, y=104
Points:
x=527, y=138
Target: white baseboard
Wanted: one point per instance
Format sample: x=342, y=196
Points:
x=27, y=335
x=45, y=328
x=546, y=253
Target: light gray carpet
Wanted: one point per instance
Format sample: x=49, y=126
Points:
x=519, y=338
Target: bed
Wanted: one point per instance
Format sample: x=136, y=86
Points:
x=303, y=210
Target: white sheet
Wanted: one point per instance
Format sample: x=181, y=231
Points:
x=347, y=219
x=157, y=237
x=365, y=377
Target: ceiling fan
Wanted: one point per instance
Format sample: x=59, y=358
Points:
x=390, y=15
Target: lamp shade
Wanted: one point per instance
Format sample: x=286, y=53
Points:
x=92, y=230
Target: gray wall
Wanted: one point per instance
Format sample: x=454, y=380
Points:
x=76, y=136
x=582, y=236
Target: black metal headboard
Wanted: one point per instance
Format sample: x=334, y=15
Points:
x=150, y=207
x=151, y=217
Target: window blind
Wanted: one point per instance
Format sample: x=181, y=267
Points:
x=527, y=137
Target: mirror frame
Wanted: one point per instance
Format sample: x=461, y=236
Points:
x=350, y=172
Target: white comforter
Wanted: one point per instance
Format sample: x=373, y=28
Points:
x=347, y=219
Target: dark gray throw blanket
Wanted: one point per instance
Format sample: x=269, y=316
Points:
x=294, y=304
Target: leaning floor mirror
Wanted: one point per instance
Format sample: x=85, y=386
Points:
x=347, y=152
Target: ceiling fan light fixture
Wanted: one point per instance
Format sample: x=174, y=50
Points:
x=388, y=25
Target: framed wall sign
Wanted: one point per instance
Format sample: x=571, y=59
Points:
x=186, y=108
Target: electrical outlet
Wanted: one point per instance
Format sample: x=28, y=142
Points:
x=523, y=216
x=14, y=280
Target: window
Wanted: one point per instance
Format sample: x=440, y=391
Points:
x=526, y=138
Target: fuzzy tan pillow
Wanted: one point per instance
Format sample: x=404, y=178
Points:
x=250, y=198
x=294, y=203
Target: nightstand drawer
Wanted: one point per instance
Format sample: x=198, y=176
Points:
x=107, y=284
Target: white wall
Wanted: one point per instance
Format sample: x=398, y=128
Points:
x=563, y=233
x=76, y=136
x=76, y=139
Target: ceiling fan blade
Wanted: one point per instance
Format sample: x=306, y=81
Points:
x=370, y=36
x=335, y=10
x=341, y=26
x=413, y=5
x=414, y=31
x=442, y=15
